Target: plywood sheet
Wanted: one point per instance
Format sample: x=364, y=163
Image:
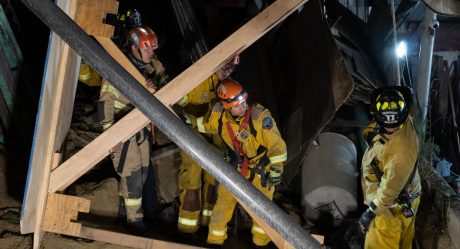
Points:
x=61, y=211
x=91, y=15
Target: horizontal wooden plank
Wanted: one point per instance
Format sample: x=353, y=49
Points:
x=129, y=240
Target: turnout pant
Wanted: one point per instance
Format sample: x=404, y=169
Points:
x=131, y=163
x=223, y=212
x=396, y=232
x=198, y=192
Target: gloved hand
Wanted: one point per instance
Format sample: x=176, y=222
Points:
x=151, y=83
x=190, y=119
x=366, y=218
x=274, y=177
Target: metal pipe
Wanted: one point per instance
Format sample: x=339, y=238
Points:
x=173, y=127
x=422, y=84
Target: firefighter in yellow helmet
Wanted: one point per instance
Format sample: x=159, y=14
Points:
x=132, y=159
x=254, y=147
x=390, y=179
x=88, y=75
x=194, y=197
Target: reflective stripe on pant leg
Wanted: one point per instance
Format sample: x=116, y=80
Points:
x=127, y=164
x=257, y=229
x=259, y=237
x=189, y=211
x=221, y=215
x=133, y=201
x=190, y=185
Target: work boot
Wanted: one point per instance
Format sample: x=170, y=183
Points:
x=260, y=241
x=215, y=239
x=168, y=215
x=136, y=226
x=259, y=237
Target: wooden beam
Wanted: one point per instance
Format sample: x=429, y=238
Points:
x=87, y=157
x=276, y=238
x=129, y=240
x=61, y=210
x=53, y=122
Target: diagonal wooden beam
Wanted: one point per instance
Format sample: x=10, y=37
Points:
x=276, y=238
x=134, y=121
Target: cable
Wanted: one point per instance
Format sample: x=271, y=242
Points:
x=395, y=39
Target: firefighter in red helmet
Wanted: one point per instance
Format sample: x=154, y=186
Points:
x=131, y=159
x=254, y=147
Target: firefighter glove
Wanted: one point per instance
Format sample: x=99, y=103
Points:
x=190, y=120
x=366, y=218
x=274, y=177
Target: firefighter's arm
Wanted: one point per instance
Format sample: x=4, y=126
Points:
x=210, y=123
x=195, y=97
x=276, y=149
x=106, y=109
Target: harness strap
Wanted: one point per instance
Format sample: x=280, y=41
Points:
x=236, y=144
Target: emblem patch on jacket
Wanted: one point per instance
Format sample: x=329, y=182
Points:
x=267, y=123
x=242, y=135
x=205, y=97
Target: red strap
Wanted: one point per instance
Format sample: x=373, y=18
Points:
x=236, y=143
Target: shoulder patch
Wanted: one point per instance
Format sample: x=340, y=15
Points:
x=218, y=107
x=267, y=123
x=256, y=111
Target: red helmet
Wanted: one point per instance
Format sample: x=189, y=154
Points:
x=143, y=37
x=231, y=93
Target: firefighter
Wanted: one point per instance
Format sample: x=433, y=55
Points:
x=88, y=76
x=193, y=196
x=390, y=179
x=254, y=147
x=131, y=158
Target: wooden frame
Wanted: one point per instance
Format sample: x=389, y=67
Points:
x=57, y=101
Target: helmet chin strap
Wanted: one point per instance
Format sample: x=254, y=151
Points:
x=138, y=63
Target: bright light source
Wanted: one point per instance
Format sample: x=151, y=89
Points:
x=401, y=50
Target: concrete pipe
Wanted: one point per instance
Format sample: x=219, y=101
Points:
x=329, y=179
